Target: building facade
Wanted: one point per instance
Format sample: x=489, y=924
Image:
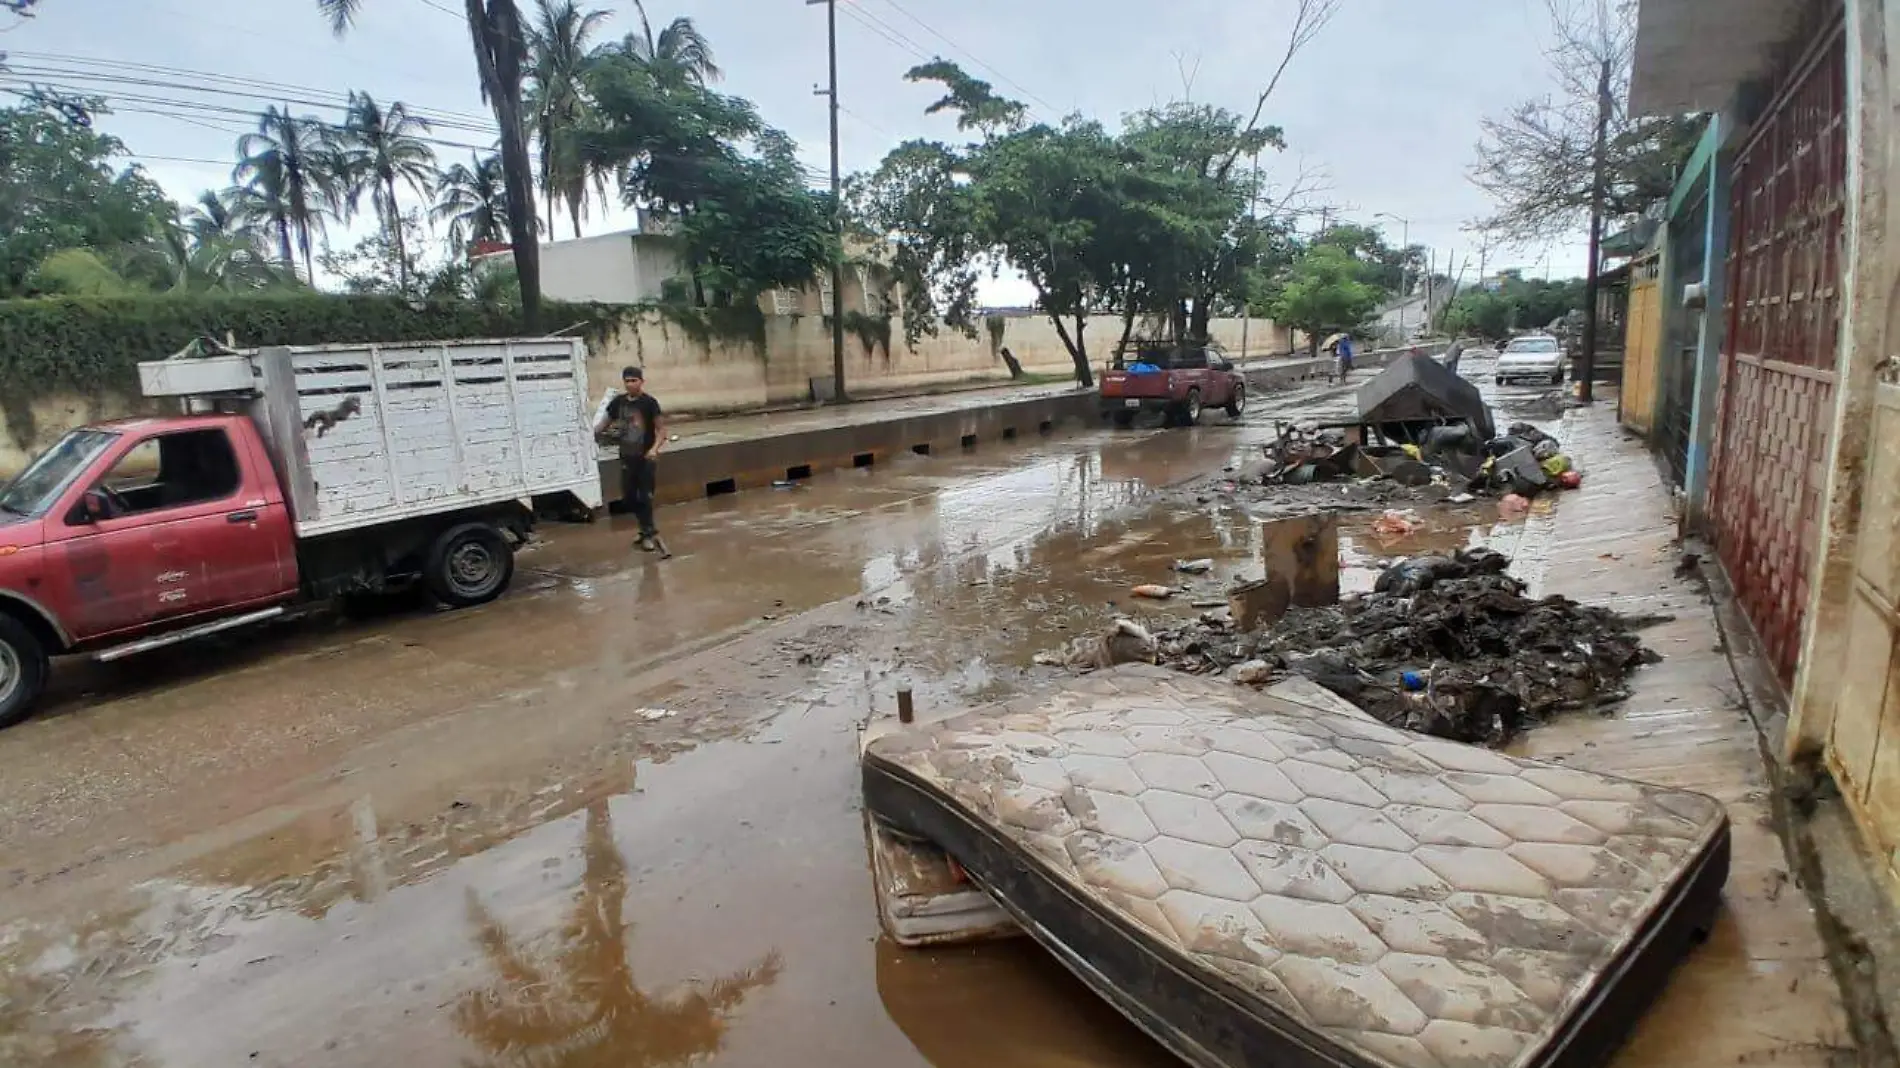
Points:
x=1774, y=401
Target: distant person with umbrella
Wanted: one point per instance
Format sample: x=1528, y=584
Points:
x=1341, y=346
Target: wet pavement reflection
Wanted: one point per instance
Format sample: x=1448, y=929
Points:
x=611, y=819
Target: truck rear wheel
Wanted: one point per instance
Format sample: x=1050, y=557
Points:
x=469, y=565
x=1191, y=409
x=1238, y=406
x=23, y=670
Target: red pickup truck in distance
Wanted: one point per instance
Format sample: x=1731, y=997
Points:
x=1176, y=381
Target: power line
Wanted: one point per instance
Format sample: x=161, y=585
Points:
x=867, y=122
x=198, y=77
x=456, y=15
x=266, y=92
x=972, y=57
x=898, y=40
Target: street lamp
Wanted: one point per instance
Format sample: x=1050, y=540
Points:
x=1405, y=244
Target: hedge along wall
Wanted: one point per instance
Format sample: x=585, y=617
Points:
x=90, y=347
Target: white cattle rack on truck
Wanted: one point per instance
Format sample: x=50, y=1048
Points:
x=368, y=434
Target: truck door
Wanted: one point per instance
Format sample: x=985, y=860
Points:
x=1190, y=372
x=107, y=569
x=208, y=545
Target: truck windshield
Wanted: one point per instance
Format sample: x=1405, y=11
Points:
x=37, y=487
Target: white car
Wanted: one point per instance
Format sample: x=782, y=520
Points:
x=1535, y=356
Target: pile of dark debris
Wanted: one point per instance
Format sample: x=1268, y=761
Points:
x=1445, y=645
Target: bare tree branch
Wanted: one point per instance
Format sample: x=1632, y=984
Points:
x=1309, y=18
x=1536, y=161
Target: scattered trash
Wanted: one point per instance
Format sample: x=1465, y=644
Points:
x=784, y=483
x=1153, y=592
x=654, y=713
x=1253, y=673
x=1460, y=498
x=1194, y=567
x=1395, y=524
x=1419, y=573
x=1124, y=642
x=1448, y=645
x=1511, y=505
x=1570, y=480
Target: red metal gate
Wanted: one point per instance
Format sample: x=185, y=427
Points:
x=1780, y=354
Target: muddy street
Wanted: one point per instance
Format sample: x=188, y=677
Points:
x=612, y=818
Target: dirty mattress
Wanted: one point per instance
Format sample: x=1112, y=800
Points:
x=1268, y=884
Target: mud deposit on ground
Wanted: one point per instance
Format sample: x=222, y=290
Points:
x=1359, y=495
x=1448, y=646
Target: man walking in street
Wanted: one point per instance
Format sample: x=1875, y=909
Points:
x=641, y=429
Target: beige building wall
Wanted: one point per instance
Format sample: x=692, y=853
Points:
x=731, y=376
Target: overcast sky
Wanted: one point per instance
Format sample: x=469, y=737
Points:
x=1386, y=103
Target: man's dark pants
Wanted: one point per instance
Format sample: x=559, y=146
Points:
x=637, y=481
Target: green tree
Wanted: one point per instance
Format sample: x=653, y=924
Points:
x=560, y=49
x=62, y=187
x=379, y=149
x=215, y=247
x=1325, y=292
x=919, y=204
x=1052, y=206
x=1517, y=304
x=474, y=202
x=288, y=166
x=746, y=219
x=1392, y=270
x=501, y=50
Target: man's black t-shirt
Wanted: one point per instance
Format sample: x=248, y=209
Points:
x=636, y=416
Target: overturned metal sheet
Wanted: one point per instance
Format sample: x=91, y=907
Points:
x=1418, y=389
x=1259, y=883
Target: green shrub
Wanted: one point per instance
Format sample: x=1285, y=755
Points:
x=93, y=345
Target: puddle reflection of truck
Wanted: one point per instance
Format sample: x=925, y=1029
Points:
x=295, y=476
x=1174, y=381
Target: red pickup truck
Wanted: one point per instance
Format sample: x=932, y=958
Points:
x=296, y=476
x=1178, y=382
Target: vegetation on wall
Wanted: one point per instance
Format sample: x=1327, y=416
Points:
x=91, y=346
x=872, y=331
x=709, y=325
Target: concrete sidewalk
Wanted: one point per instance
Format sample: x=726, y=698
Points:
x=1760, y=990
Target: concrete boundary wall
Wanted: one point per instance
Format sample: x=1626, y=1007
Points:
x=691, y=470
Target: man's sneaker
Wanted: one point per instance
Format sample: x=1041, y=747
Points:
x=646, y=544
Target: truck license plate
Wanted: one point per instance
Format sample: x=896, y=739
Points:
x=1131, y=403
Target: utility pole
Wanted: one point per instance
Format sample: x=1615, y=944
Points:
x=1587, y=361
x=1405, y=262
x=837, y=209
x=1246, y=306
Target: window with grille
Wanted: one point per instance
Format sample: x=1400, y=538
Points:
x=784, y=302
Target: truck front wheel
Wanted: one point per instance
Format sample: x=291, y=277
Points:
x=23, y=670
x=469, y=565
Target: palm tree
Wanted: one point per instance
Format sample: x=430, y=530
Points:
x=495, y=31
x=285, y=163
x=678, y=54
x=473, y=201
x=218, y=244
x=559, y=51
x=378, y=149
